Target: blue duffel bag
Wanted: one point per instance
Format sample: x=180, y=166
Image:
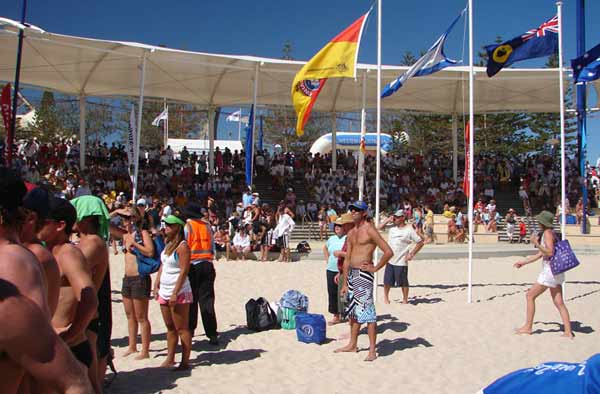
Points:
x=311, y=328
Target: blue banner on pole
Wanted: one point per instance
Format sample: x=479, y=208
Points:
x=248, y=147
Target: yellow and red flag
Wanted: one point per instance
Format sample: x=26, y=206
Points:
x=336, y=59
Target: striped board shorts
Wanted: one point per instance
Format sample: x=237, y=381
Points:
x=361, y=305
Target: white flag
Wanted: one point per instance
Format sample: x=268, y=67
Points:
x=131, y=139
x=164, y=115
x=235, y=117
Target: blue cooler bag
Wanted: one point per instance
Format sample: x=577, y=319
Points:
x=311, y=328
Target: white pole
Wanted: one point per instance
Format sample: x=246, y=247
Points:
x=211, y=140
x=333, y=143
x=166, y=124
x=378, y=145
x=563, y=182
x=455, y=146
x=139, y=130
x=82, y=131
x=471, y=155
x=254, y=99
x=240, y=125
x=563, y=198
x=363, y=133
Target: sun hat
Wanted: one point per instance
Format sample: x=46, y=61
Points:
x=141, y=201
x=360, y=205
x=172, y=219
x=546, y=219
x=344, y=218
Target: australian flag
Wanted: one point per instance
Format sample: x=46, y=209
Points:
x=539, y=42
x=586, y=68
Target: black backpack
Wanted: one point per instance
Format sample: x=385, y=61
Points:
x=259, y=315
x=303, y=247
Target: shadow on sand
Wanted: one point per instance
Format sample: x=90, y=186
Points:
x=576, y=326
x=387, y=347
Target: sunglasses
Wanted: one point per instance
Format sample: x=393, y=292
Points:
x=354, y=209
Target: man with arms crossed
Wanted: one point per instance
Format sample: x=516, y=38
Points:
x=359, y=270
x=77, y=301
x=400, y=237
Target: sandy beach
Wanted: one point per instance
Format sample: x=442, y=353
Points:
x=437, y=344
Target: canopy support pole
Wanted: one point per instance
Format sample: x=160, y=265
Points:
x=211, y=140
x=333, y=143
x=254, y=100
x=138, y=136
x=471, y=155
x=378, y=145
x=82, y=140
x=455, y=146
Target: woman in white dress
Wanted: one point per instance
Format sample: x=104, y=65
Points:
x=545, y=279
x=173, y=291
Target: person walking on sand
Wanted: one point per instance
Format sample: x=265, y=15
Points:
x=400, y=238
x=545, y=280
x=173, y=291
x=359, y=270
x=333, y=244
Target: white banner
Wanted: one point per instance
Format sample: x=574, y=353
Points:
x=131, y=142
x=235, y=117
x=164, y=115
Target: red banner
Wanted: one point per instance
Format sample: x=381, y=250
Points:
x=467, y=157
x=6, y=115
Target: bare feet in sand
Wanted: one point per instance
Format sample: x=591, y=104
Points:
x=386, y=301
x=569, y=336
x=334, y=321
x=371, y=357
x=346, y=349
x=142, y=356
x=182, y=367
x=405, y=302
x=168, y=364
x=523, y=331
x=129, y=352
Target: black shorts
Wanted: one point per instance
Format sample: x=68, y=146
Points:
x=83, y=353
x=136, y=287
x=396, y=275
x=220, y=248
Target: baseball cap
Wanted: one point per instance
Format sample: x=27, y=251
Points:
x=38, y=200
x=399, y=212
x=141, y=201
x=172, y=219
x=12, y=189
x=360, y=205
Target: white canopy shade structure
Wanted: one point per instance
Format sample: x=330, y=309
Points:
x=103, y=68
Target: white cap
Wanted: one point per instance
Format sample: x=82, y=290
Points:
x=399, y=212
x=141, y=201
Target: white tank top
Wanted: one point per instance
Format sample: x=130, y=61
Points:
x=168, y=277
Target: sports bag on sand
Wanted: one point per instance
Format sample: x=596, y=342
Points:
x=311, y=328
x=259, y=315
x=563, y=258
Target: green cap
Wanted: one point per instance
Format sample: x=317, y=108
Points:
x=172, y=219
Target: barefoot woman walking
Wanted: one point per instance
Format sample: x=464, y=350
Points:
x=545, y=279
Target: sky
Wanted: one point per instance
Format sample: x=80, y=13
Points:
x=261, y=27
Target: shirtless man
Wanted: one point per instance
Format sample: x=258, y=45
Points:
x=77, y=302
x=92, y=226
x=36, y=205
x=27, y=341
x=29, y=344
x=359, y=269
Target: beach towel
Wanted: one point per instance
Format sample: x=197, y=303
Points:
x=92, y=206
x=293, y=299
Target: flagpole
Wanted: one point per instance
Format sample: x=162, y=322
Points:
x=10, y=134
x=138, y=136
x=581, y=112
x=563, y=199
x=471, y=155
x=378, y=145
x=363, y=132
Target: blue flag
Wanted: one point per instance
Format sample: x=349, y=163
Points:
x=539, y=42
x=260, y=134
x=434, y=60
x=586, y=68
x=248, y=147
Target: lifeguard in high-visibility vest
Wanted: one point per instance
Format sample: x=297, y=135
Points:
x=199, y=237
